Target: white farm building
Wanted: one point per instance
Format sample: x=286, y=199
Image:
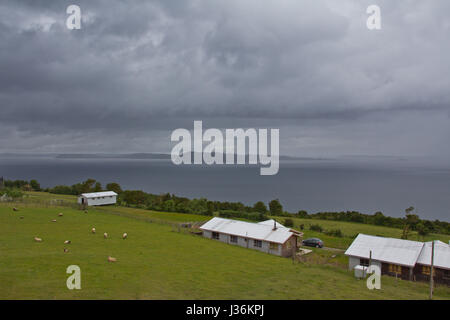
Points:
x=267, y=236
x=98, y=198
x=406, y=259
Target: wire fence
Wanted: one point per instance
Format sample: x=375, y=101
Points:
x=184, y=227
x=42, y=203
x=26, y=202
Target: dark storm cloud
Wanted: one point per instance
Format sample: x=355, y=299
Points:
x=138, y=69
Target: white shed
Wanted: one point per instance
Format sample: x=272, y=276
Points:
x=98, y=198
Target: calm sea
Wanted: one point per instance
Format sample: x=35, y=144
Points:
x=312, y=185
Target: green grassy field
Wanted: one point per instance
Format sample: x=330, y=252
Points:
x=350, y=230
x=156, y=262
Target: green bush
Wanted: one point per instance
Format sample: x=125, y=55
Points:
x=334, y=233
x=316, y=227
x=254, y=216
x=288, y=223
x=13, y=193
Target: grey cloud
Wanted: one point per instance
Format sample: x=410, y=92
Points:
x=137, y=69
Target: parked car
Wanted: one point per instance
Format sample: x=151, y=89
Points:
x=313, y=242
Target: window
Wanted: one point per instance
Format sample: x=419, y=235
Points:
x=233, y=239
x=427, y=270
x=364, y=262
x=215, y=235
x=446, y=274
x=393, y=268
x=257, y=243
x=273, y=246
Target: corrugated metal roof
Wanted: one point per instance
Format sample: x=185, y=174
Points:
x=270, y=223
x=99, y=194
x=248, y=230
x=279, y=225
x=395, y=251
x=441, y=255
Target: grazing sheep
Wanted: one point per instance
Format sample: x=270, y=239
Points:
x=105, y=235
x=60, y=214
x=54, y=220
x=124, y=236
x=93, y=230
x=37, y=239
x=67, y=242
x=21, y=217
x=85, y=211
x=66, y=250
x=111, y=259
x=15, y=209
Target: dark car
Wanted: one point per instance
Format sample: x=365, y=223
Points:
x=313, y=242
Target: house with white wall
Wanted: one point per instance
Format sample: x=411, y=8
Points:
x=97, y=198
x=405, y=259
x=267, y=237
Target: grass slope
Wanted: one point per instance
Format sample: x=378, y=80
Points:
x=351, y=229
x=157, y=263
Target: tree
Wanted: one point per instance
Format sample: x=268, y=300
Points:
x=302, y=214
x=411, y=221
x=136, y=197
x=409, y=210
x=422, y=229
x=35, y=185
x=288, y=222
x=113, y=186
x=260, y=207
x=169, y=206
x=14, y=193
x=98, y=187
x=88, y=186
x=379, y=218
x=211, y=207
x=275, y=207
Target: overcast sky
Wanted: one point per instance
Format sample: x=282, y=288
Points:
x=139, y=69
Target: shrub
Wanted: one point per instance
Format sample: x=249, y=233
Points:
x=13, y=193
x=316, y=227
x=254, y=216
x=289, y=222
x=334, y=233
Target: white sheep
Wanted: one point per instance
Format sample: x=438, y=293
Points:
x=93, y=230
x=124, y=236
x=67, y=242
x=37, y=239
x=105, y=235
x=60, y=214
x=111, y=259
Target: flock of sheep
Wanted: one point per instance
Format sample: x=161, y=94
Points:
x=105, y=236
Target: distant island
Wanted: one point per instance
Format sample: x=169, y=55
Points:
x=158, y=156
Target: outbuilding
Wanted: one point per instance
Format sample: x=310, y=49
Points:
x=98, y=198
x=267, y=237
x=441, y=263
x=405, y=259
